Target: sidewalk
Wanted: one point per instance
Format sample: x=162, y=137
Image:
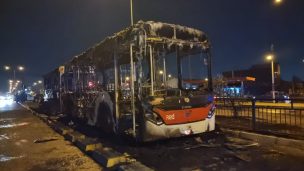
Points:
x=26, y=143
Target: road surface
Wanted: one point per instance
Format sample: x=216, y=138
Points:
x=216, y=151
x=26, y=143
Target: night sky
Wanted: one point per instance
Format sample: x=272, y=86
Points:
x=42, y=34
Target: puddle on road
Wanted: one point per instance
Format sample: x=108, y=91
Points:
x=13, y=125
x=4, y=158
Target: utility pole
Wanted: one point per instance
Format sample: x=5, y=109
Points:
x=131, y=10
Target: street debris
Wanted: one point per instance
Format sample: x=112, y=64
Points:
x=71, y=123
x=13, y=125
x=203, y=145
x=272, y=151
x=232, y=146
x=198, y=139
x=4, y=158
x=242, y=156
x=43, y=140
x=4, y=136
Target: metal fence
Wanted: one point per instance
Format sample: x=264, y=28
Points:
x=278, y=116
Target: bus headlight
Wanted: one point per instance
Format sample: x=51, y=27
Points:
x=154, y=118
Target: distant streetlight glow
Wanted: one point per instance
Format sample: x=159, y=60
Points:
x=206, y=79
x=7, y=68
x=277, y=2
x=20, y=68
x=14, y=69
x=39, y=82
x=169, y=76
x=161, y=72
x=34, y=83
x=269, y=57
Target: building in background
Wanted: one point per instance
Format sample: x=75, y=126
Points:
x=259, y=82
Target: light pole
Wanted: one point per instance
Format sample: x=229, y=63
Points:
x=131, y=11
x=271, y=58
x=14, y=69
x=18, y=68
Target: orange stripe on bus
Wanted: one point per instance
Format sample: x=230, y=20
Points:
x=171, y=117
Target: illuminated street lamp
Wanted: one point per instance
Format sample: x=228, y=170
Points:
x=270, y=57
x=18, y=68
x=278, y=1
x=39, y=81
x=34, y=84
x=161, y=72
x=6, y=68
x=169, y=76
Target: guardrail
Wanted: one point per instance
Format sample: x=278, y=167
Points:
x=279, y=116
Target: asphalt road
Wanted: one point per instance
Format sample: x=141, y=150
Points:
x=217, y=151
x=26, y=143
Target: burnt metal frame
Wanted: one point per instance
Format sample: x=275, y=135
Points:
x=136, y=37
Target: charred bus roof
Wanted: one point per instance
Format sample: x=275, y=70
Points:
x=156, y=33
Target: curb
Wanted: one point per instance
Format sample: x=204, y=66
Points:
x=105, y=156
x=134, y=166
x=74, y=136
x=108, y=157
x=266, y=139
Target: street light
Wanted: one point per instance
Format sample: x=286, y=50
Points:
x=278, y=1
x=6, y=68
x=161, y=72
x=18, y=68
x=39, y=81
x=270, y=57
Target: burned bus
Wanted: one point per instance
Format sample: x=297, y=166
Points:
x=138, y=82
